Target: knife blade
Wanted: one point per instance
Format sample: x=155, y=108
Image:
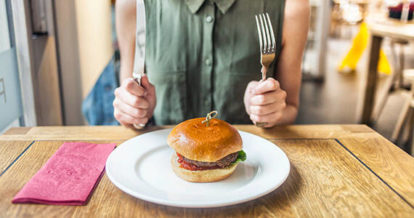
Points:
x=139, y=59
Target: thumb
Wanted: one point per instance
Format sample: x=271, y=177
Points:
x=145, y=82
x=252, y=86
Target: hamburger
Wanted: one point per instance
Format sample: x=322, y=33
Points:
x=205, y=152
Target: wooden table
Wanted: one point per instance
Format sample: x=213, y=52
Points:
x=336, y=170
x=379, y=28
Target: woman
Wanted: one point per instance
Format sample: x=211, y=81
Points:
x=203, y=55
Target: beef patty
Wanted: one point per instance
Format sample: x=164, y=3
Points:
x=222, y=163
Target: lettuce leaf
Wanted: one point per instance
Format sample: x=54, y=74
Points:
x=241, y=157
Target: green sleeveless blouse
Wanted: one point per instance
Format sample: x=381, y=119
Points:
x=201, y=54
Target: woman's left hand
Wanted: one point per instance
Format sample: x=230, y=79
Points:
x=265, y=102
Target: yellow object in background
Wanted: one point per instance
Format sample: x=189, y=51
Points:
x=383, y=64
x=359, y=44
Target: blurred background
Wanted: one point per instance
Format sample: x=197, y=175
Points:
x=52, y=53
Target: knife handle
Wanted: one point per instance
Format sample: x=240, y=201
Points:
x=139, y=126
x=137, y=79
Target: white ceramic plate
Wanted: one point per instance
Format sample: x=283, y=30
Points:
x=141, y=167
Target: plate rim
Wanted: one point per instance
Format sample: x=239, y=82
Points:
x=193, y=204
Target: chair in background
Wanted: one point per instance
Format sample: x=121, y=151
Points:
x=406, y=118
x=395, y=82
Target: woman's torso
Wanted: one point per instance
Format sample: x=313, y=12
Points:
x=200, y=55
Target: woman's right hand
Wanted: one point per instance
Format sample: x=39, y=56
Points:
x=134, y=104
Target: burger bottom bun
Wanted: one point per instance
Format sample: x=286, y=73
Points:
x=201, y=175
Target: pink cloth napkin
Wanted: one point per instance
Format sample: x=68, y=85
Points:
x=68, y=177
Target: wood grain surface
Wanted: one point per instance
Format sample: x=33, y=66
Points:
x=325, y=180
x=17, y=131
x=9, y=151
x=389, y=162
x=75, y=133
x=122, y=133
x=337, y=184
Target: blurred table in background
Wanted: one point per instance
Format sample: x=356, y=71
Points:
x=380, y=28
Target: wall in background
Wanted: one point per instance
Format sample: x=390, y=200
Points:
x=4, y=29
x=94, y=38
x=85, y=47
x=44, y=67
x=69, y=61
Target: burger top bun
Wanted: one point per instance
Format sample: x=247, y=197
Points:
x=197, y=141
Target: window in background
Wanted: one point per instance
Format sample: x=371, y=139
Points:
x=10, y=97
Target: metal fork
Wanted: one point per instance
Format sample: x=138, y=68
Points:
x=267, y=46
x=267, y=42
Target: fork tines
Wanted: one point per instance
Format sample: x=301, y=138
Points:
x=266, y=36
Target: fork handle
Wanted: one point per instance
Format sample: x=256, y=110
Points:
x=261, y=124
x=264, y=72
x=263, y=77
